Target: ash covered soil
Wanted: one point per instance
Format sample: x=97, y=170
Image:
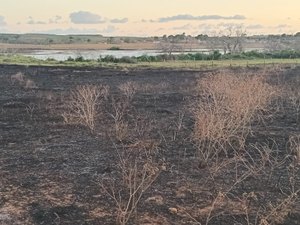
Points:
x=52, y=172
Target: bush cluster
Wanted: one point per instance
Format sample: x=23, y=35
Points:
x=216, y=55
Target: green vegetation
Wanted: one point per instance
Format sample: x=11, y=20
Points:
x=196, y=60
x=115, y=48
x=216, y=56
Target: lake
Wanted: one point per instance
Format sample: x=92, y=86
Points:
x=62, y=55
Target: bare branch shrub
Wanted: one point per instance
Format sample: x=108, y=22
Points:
x=293, y=97
x=119, y=111
x=29, y=84
x=294, y=142
x=154, y=88
x=138, y=170
x=169, y=45
x=277, y=213
x=231, y=38
x=178, y=125
x=18, y=78
x=81, y=108
x=120, y=108
x=257, y=163
x=128, y=88
x=227, y=105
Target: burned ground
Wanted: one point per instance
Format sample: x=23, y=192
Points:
x=50, y=171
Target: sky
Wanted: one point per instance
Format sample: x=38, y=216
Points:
x=148, y=18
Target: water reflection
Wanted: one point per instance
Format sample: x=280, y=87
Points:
x=62, y=55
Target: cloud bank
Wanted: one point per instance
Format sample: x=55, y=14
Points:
x=2, y=21
x=31, y=21
x=124, y=20
x=69, y=31
x=204, y=17
x=55, y=20
x=84, y=17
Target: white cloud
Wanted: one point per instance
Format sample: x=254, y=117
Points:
x=31, y=21
x=70, y=30
x=255, y=27
x=84, y=17
x=280, y=26
x=2, y=21
x=184, y=27
x=124, y=20
x=56, y=19
x=109, y=29
x=204, y=17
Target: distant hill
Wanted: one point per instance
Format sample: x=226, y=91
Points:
x=46, y=39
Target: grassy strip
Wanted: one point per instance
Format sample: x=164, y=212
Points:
x=192, y=64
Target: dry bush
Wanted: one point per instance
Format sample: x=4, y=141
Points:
x=271, y=213
x=120, y=108
x=129, y=89
x=82, y=106
x=294, y=143
x=138, y=165
x=154, y=88
x=121, y=130
x=276, y=213
x=138, y=169
x=18, y=78
x=293, y=97
x=256, y=163
x=119, y=111
x=227, y=105
x=260, y=162
x=29, y=84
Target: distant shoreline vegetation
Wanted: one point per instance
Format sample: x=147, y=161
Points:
x=213, y=58
x=216, y=55
x=114, y=48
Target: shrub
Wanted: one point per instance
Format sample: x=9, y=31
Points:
x=294, y=142
x=138, y=168
x=108, y=58
x=18, y=78
x=127, y=59
x=79, y=59
x=29, y=84
x=114, y=48
x=128, y=88
x=70, y=59
x=226, y=106
x=81, y=108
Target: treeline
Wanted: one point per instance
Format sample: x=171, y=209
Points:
x=216, y=55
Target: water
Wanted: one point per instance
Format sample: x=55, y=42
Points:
x=62, y=55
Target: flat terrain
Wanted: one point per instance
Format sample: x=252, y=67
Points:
x=53, y=173
x=77, y=46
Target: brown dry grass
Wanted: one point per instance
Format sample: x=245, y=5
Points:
x=137, y=170
x=294, y=142
x=128, y=89
x=82, y=105
x=227, y=105
x=21, y=80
